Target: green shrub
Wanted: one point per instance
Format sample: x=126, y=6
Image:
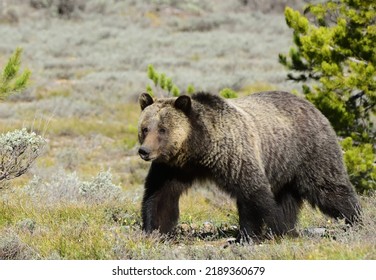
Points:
x=161, y=82
x=334, y=57
x=10, y=79
x=360, y=164
x=164, y=83
x=228, y=93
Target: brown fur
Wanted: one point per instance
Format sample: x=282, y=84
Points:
x=270, y=151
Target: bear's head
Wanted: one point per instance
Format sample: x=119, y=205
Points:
x=163, y=127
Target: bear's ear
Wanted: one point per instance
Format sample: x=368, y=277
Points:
x=145, y=100
x=183, y=103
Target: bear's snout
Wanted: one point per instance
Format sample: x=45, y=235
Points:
x=144, y=153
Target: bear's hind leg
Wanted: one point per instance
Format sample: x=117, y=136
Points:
x=338, y=201
x=260, y=210
x=250, y=225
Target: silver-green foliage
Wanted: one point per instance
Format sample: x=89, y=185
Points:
x=18, y=150
x=13, y=248
x=65, y=187
x=100, y=188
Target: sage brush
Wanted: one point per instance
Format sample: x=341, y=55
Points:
x=18, y=150
x=69, y=188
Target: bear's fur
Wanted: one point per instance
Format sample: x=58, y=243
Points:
x=270, y=151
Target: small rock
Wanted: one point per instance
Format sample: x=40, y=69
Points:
x=315, y=232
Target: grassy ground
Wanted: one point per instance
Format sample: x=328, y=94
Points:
x=111, y=230
x=81, y=200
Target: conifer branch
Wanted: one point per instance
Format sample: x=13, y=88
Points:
x=10, y=79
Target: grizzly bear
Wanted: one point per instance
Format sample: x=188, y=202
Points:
x=270, y=151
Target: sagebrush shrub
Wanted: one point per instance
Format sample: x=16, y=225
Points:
x=68, y=188
x=13, y=248
x=18, y=150
x=100, y=188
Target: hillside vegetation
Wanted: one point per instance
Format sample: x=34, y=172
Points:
x=88, y=59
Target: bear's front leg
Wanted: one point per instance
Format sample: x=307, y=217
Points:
x=160, y=205
x=160, y=210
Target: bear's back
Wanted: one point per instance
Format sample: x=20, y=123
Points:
x=278, y=108
x=272, y=100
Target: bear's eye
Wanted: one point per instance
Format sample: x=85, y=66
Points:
x=162, y=131
x=144, y=130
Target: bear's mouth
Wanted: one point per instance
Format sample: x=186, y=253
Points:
x=147, y=157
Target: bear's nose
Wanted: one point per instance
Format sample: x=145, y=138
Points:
x=144, y=152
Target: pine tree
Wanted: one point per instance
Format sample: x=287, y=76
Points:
x=10, y=79
x=161, y=81
x=334, y=57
